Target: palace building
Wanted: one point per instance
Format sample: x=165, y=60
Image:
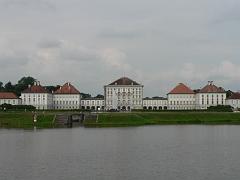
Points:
x=234, y=100
x=9, y=98
x=38, y=96
x=210, y=95
x=123, y=94
x=66, y=97
x=155, y=103
x=92, y=103
x=181, y=98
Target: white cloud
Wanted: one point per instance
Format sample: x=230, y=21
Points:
x=114, y=58
x=228, y=69
x=30, y=5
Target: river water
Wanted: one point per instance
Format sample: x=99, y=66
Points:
x=149, y=152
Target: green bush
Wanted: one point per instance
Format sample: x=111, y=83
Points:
x=167, y=110
x=17, y=107
x=220, y=108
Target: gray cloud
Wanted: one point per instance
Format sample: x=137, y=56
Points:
x=91, y=43
x=10, y=61
x=50, y=44
x=121, y=34
x=33, y=5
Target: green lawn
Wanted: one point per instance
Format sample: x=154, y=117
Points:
x=45, y=120
x=146, y=118
x=25, y=120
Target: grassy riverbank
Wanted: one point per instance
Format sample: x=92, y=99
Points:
x=25, y=120
x=163, y=118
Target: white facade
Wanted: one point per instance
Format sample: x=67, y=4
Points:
x=92, y=104
x=67, y=101
x=67, y=97
x=16, y=101
x=234, y=101
x=205, y=100
x=37, y=96
x=123, y=94
x=210, y=95
x=39, y=100
x=155, y=103
x=181, y=98
x=181, y=101
x=10, y=101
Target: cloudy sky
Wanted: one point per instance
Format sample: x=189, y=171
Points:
x=92, y=42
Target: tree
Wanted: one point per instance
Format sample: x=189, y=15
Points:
x=229, y=93
x=27, y=81
x=99, y=96
x=1, y=85
x=9, y=87
x=23, y=84
x=52, y=88
x=19, y=87
x=85, y=95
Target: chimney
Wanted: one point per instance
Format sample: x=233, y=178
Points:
x=68, y=84
x=35, y=83
x=210, y=82
x=29, y=86
x=38, y=83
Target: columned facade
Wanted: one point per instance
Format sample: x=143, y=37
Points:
x=9, y=98
x=210, y=95
x=37, y=96
x=155, y=103
x=123, y=94
x=67, y=97
x=234, y=101
x=95, y=104
x=181, y=98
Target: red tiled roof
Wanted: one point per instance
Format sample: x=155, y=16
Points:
x=124, y=81
x=36, y=89
x=67, y=88
x=211, y=88
x=8, y=95
x=235, y=96
x=181, y=89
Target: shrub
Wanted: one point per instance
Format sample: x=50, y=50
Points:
x=220, y=108
x=17, y=107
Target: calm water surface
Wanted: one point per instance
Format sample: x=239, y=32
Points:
x=150, y=152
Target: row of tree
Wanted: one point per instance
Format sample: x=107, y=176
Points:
x=23, y=83
x=19, y=87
